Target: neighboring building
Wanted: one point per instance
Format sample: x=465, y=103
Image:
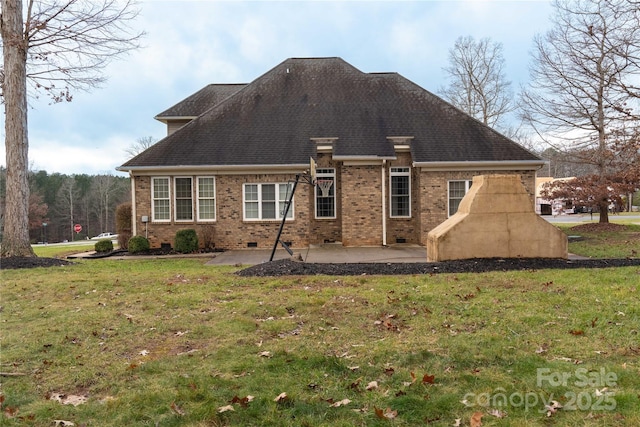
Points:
x=399, y=159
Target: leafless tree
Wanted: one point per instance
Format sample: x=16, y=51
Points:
x=584, y=92
x=477, y=83
x=57, y=46
x=140, y=145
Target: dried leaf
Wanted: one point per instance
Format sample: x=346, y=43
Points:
x=11, y=411
x=225, y=409
x=244, y=401
x=63, y=423
x=576, y=332
x=343, y=402
x=428, y=379
x=144, y=353
x=265, y=354
x=498, y=413
x=458, y=422
x=386, y=414
x=372, y=385
x=476, y=419
x=389, y=371
x=175, y=408
x=68, y=399
x=281, y=397
x=553, y=408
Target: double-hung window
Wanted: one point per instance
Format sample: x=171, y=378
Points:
x=326, y=193
x=457, y=190
x=184, y=199
x=161, y=203
x=400, y=192
x=266, y=201
x=206, y=201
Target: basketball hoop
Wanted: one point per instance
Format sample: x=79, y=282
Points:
x=325, y=186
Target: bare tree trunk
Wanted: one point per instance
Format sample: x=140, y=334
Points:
x=16, y=230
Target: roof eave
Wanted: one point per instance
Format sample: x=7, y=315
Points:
x=214, y=168
x=481, y=165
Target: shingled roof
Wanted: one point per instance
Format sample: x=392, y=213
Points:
x=271, y=121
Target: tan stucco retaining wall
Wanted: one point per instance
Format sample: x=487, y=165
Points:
x=496, y=219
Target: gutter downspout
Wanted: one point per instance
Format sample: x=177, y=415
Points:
x=384, y=203
x=134, y=228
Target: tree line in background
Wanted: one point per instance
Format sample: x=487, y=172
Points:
x=57, y=202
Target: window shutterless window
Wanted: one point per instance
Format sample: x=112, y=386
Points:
x=400, y=192
x=206, y=201
x=326, y=204
x=184, y=199
x=266, y=201
x=457, y=190
x=161, y=199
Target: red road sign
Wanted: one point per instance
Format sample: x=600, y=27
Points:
x=77, y=228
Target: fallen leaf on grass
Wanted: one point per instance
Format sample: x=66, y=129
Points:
x=282, y=397
x=178, y=410
x=458, y=422
x=476, y=419
x=68, y=399
x=428, y=379
x=11, y=412
x=372, y=385
x=386, y=414
x=576, y=332
x=225, y=409
x=144, y=352
x=498, y=413
x=342, y=402
x=553, y=408
x=244, y=401
x=63, y=423
x=265, y=354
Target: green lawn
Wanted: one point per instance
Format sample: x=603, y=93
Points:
x=178, y=343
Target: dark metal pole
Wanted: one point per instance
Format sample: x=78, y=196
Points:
x=284, y=216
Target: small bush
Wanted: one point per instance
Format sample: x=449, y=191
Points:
x=103, y=246
x=186, y=241
x=138, y=244
x=123, y=224
x=208, y=234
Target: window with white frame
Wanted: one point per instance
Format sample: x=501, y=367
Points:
x=457, y=190
x=161, y=199
x=206, y=201
x=400, y=192
x=266, y=201
x=326, y=199
x=183, y=198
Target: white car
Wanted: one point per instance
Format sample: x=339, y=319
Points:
x=105, y=236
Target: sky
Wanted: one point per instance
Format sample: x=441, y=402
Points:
x=189, y=44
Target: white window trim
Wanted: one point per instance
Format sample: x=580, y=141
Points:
x=320, y=175
x=467, y=186
x=153, y=199
x=175, y=200
x=259, y=201
x=215, y=199
x=395, y=171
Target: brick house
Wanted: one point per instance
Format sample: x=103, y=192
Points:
x=399, y=159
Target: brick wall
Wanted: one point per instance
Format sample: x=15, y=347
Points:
x=361, y=206
x=358, y=204
x=433, y=189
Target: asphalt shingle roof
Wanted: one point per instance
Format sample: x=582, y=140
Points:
x=272, y=120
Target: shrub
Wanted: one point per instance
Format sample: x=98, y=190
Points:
x=138, y=244
x=186, y=241
x=208, y=234
x=103, y=245
x=123, y=224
